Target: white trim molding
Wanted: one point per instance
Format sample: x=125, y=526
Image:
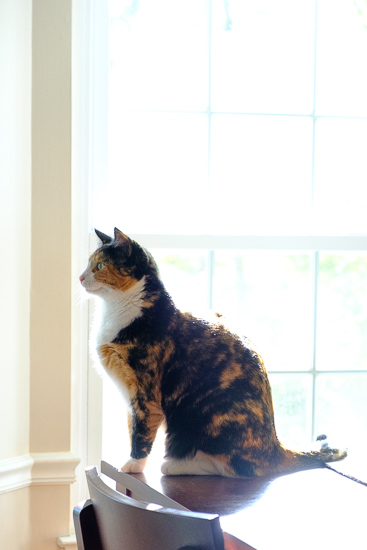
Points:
x=54, y=468
x=37, y=469
x=15, y=473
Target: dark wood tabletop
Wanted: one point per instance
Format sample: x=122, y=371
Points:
x=315, y=509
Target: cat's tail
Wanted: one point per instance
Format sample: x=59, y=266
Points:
x=295, y=460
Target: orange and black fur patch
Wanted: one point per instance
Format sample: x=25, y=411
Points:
x=209, y=386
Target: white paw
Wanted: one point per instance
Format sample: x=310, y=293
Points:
x=171, y=467
x=201, y=464
x=134, y=465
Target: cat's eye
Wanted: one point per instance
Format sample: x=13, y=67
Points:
x=100, y=265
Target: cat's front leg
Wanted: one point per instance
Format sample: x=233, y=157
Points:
x=144, y=421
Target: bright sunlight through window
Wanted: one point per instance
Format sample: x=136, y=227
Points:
x=237, y=139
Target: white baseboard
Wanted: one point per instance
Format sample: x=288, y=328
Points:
x=37, y=469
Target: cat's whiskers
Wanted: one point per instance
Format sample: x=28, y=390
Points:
x=82, y=296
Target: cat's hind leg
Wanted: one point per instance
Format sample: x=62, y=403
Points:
x=200, y=464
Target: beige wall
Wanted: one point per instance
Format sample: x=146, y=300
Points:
x=15, y=274
x=15, y=220
x=36, y=463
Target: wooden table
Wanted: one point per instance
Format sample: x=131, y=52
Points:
x=315, y=509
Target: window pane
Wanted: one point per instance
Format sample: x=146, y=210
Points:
x=115, y=434
x=340, y=176
x=342, y=312
x=157, y=173
x=268, y=297
x=341, y=81
x=341, y=411
x=158, y=54
x=292, y=405
x=261, y=174
x=262, y=56
x=184, y=274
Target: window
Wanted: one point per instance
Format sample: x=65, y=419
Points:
x=236, y=135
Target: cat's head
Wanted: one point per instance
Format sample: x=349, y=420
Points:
x=118, y=264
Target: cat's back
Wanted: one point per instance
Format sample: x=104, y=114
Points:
x=209, y=355
x=208, y=339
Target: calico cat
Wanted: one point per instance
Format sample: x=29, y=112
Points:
x=208, y=386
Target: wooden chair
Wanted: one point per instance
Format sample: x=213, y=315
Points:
x=111, y=520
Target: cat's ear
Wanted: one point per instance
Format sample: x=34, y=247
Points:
x=106, y=239
x=123, y=241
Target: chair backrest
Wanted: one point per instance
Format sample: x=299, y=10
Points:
x=113, y=521
x=132, y=487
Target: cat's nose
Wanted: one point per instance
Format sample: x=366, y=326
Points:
x=81, y=278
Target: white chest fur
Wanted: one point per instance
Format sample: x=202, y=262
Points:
x=116, y=311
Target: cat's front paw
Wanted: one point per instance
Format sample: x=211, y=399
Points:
x=134, y=465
